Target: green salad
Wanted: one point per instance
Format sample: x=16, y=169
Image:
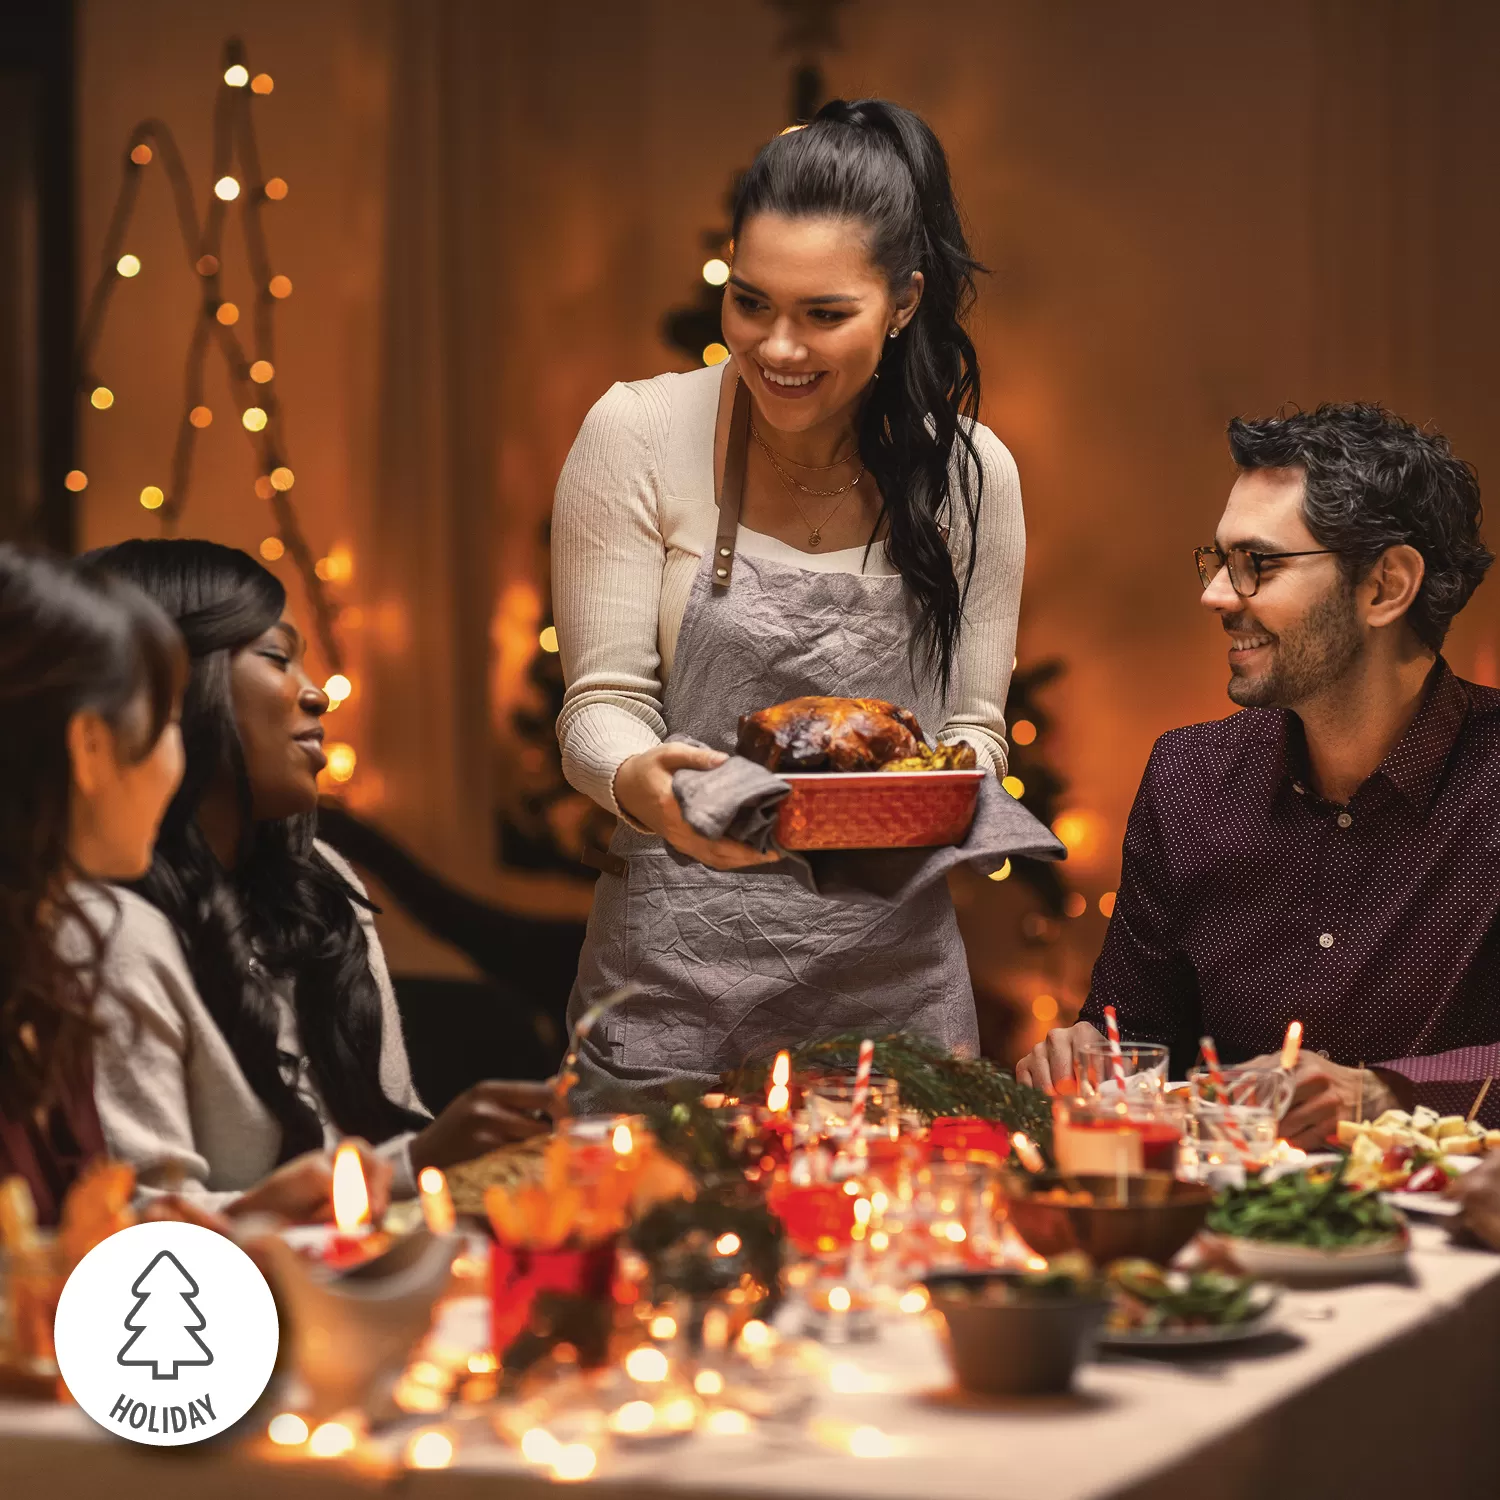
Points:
x=1315, y=1208
x=1148, y=1299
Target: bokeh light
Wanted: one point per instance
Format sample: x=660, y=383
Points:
x=152, y=497
x=128, y=265
x=715, y=354
x=227, y=189
x=273, y=549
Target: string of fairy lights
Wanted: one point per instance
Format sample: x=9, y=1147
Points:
x=237, y=180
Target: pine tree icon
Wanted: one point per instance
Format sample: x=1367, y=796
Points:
x=164, y=1320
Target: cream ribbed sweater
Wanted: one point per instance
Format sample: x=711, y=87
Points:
x=172, y=1098
x=633, y=514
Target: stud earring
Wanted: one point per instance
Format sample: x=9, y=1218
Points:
x=894, y=333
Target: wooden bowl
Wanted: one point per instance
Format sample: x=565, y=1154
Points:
x=1159, y=1215
x=877, y=809
x=1028, y=1348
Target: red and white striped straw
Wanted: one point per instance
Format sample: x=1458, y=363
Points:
x=861, y=1089
x=1116, y=1057
x=1231, y=1125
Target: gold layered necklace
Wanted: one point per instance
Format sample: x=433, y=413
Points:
x=791, y=484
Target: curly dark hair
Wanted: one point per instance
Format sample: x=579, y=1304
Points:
x=283, y=912
x=880, y=165
x=1372, y=481
x=71, y=641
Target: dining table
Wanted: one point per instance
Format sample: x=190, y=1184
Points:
x=1381, y=1388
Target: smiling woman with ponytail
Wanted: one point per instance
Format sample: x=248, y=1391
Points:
x=824, y=515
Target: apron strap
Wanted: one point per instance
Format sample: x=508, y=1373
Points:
x=731, y=486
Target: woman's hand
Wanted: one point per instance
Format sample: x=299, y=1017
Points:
x=490, y=1114
x=643, y=787
x=301, y=1190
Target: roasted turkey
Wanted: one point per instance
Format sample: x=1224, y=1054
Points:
x=841, y=734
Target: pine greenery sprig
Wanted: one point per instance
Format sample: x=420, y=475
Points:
x=932, y=1081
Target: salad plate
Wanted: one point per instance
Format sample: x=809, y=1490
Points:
x=1288, y=1262
x=1191, y=1338
x=1155, y=1308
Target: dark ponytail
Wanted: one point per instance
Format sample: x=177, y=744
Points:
x=879, y=164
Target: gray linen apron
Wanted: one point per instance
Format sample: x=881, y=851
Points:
x=732, y=967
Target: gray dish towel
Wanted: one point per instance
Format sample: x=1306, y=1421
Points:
x=738, y=800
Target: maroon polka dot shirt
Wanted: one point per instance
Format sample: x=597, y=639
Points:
x=1247, y=901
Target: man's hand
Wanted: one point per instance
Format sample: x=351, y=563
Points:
x=1479, y=1193
x=1325, y=1094
x=643, y=788
x=1052, y=1059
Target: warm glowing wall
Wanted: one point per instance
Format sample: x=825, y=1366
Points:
x=1191, y=210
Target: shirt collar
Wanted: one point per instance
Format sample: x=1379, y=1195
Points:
x=1413, y=764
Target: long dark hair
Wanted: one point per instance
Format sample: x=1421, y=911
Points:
x=878, y=164
x=282, y=913
x=71, y=641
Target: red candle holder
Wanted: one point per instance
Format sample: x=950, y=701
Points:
x=963, y=1136
x=818, y=1216
x=519, y=1274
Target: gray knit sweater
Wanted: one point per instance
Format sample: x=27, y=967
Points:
x=172, y=1098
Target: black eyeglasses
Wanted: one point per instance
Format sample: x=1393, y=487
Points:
x=1244, y=565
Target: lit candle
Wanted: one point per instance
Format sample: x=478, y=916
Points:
x=1026, y=1152
x=437, y=1202
x=1291, y=1046
x=778, y=1096
x=354, y=1241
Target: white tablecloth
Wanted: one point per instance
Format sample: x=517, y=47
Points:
x=1375, y=1390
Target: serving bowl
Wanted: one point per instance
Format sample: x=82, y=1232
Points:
x=1027, y=1347
x=1158, y=1217
x=877, y=809
x=1307, y=1265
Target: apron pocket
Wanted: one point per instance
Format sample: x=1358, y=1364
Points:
x=736, y=966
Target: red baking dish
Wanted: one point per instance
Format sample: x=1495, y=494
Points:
x=877, y=809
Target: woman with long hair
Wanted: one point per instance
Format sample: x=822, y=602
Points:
x=824, y=515
x=255, y=1018
x=90, y=677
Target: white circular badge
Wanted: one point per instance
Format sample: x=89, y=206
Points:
x=166, y=1333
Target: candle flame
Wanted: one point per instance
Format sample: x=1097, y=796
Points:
x=778, y=1096
x=622, y=1140
x=781, y=1069
x=1291, y=1046
x=437, y=1202
x=1026, y=1152
x=351, y=1198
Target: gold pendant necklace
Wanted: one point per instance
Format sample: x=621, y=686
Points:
x=814, y=532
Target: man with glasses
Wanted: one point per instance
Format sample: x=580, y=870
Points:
x=1332, y=853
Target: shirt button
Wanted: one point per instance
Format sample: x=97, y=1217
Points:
x=1345, y=821
x=1326, y=941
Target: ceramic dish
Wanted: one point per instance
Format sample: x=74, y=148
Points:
x=1304, y=1263
x=1266, y=1320
x=877, y=809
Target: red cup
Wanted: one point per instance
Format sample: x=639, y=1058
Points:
x=518, y=1274
x=818, y=1216
x=962, y=1134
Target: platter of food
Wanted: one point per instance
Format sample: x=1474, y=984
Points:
x=1160, y=1309
x=863, y=775
x=1308, y=1226
x=1412, y=1154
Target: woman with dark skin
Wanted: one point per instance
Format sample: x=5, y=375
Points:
x=91, y=676
x=257, y=1018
